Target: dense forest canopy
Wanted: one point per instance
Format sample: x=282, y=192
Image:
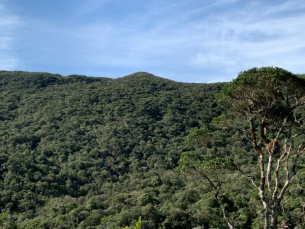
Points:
x=89, y=152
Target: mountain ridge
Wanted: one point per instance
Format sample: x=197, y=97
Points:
x=85, y=142
x=133, y=76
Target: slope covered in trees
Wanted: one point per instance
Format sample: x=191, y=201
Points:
x=83, y=152
x=88, y=151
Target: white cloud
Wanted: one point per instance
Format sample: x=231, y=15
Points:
x=208, y=38
x=226, y=42
x=88, y=7
x=292, y=5
x=5, y=42
x=212, y=59
x=7, y=62
x=8, y=23
x=225, y=2
x=233, y=41
x=248, y=38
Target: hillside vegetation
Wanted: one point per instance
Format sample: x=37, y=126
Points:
x=84, y=152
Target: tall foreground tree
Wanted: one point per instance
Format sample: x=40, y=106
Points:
x=272, y=101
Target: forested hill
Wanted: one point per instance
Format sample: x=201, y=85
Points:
x=92, y=152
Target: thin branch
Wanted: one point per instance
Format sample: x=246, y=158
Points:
x=297, y=134
x=253, y=138
x=249, y=176
x=281, y=128
x=297, y=105
x=290, y=174
x=224, y=212
x=217, y=188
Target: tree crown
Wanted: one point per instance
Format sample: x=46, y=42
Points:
x=268, y=93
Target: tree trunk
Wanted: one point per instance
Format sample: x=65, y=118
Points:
x=274, y=216
x=262, y=192
x=266, y=215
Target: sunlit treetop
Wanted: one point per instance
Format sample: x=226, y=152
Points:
x=268, y=93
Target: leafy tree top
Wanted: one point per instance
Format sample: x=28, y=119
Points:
x=268, y=93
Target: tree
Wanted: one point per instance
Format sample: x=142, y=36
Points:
x=208, y=165
x=271, y=100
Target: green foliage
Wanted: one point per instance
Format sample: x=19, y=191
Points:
x=265, y=92
x=199, y=136
x=208, y=162
x=95, y=152
x=137, y=225
x=207, y=157
x=6, y=222
x=84, y=152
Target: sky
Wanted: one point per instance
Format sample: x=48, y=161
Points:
x=199, y=41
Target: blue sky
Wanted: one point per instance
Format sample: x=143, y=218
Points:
x=186, y=41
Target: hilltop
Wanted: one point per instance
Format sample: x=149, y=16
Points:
x=87, y=150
